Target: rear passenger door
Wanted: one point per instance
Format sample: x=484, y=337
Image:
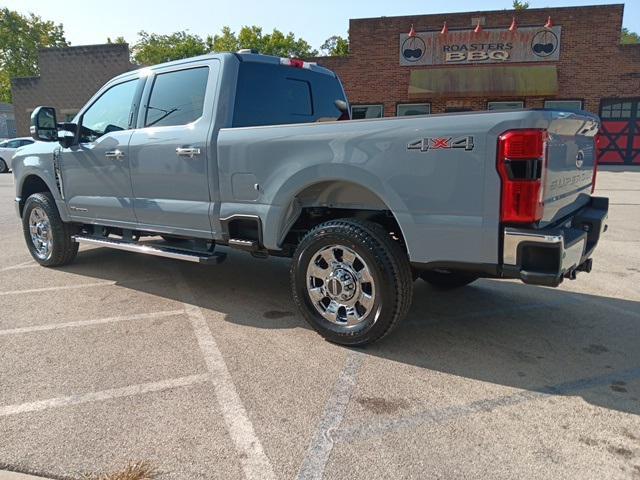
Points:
x=172, y=154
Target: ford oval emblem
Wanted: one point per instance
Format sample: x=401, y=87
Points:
x=579, y=158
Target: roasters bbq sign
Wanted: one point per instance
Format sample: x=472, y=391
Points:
x=527, y=44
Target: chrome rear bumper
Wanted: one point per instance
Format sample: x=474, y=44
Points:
x=547, y=256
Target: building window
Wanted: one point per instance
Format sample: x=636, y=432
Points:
x=407, y=109
x=568, y=105
x=505, y=105
x=616, y=109
x=366, y=111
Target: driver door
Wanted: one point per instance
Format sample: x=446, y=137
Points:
x=95, y=172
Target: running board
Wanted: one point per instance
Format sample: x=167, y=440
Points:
x=167, y=252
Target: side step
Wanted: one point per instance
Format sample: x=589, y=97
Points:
x=246, y=245
x=158, y=251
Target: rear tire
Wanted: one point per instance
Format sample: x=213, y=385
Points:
x=48, y=237
x=444, y=280
x=351, y=281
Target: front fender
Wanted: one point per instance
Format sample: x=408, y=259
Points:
x=36, y=160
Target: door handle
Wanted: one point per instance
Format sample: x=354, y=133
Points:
x=114, y=154
x=187, y=151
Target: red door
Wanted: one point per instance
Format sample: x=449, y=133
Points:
x=620, y=141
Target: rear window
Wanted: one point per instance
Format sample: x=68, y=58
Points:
x=270, y=94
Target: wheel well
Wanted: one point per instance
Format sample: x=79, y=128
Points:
x=330, y=200
x=32, y=184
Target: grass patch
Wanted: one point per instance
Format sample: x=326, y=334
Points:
x=133, y=471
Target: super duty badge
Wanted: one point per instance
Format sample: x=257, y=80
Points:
x=441, y=143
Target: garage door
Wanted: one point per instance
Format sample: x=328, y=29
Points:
x=620, y=142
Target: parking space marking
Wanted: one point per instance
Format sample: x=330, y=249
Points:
x=85, y=323
x=108, y=283
x=255, y=463
x=322, y=443
x=61, y=287
x=446, y=414
x=20, y=266
x=112, y=393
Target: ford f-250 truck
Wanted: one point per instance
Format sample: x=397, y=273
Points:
x=250, y=152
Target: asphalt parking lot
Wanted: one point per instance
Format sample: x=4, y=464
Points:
x=210, y=372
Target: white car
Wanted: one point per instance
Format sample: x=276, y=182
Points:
x=8, y=148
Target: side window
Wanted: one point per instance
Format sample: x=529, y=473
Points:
x=13, y=144
x=177, y=98
x=110, y=113
x=271, y=94
x=26, y=142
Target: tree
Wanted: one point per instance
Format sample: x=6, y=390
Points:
x=152, y=48
x=20, y=38
x=274, y=43
x=518, y=5
x=628, y=36
x=117, y=40
x=335, y=46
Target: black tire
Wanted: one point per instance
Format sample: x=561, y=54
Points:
x=444, y=280
x=386, y=263
x=3, y=166
x=63, y=249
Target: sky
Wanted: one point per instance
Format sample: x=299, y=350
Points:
x=90, y=22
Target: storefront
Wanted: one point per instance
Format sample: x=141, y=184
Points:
x=568, y=58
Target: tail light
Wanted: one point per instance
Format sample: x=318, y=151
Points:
x=598, y=140
x=521, y=163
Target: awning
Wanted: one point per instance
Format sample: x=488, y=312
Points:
x=502, y=81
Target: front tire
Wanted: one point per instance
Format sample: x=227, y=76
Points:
x=351, y=281
x=445, y=280
x=48, y=237
x=3, y=166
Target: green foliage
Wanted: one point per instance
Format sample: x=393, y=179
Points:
x=20, y=38
x=152, y=48
x=274, y=43
x=627, y=36
x=117, y=40
x=518, y=5
x=335, y=46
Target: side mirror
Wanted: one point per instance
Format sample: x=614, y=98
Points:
x=342, y=106
x=344, y=109
x=44, y=126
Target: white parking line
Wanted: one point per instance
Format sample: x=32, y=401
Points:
x=128, y=391
x=53, y=289
x=20, y=266
x=85, y=323
x=123, y=282
x=255, y=463
x=320, y=448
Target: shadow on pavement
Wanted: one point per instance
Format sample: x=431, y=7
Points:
x=526, y=337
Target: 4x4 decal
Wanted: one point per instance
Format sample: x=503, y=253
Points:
x=440, y=143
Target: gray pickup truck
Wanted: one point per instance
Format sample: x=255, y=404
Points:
x=253, y=152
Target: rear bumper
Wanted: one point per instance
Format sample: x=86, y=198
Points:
x=548, y=256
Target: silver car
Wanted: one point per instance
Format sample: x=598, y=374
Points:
x=8, y=148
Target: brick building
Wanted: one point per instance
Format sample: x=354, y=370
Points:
x=68, y=78
x=576, y=62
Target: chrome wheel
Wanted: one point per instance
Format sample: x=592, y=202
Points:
x=40, y=230
x=340, y=286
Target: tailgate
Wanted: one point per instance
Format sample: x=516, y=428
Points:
x=571, y=157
